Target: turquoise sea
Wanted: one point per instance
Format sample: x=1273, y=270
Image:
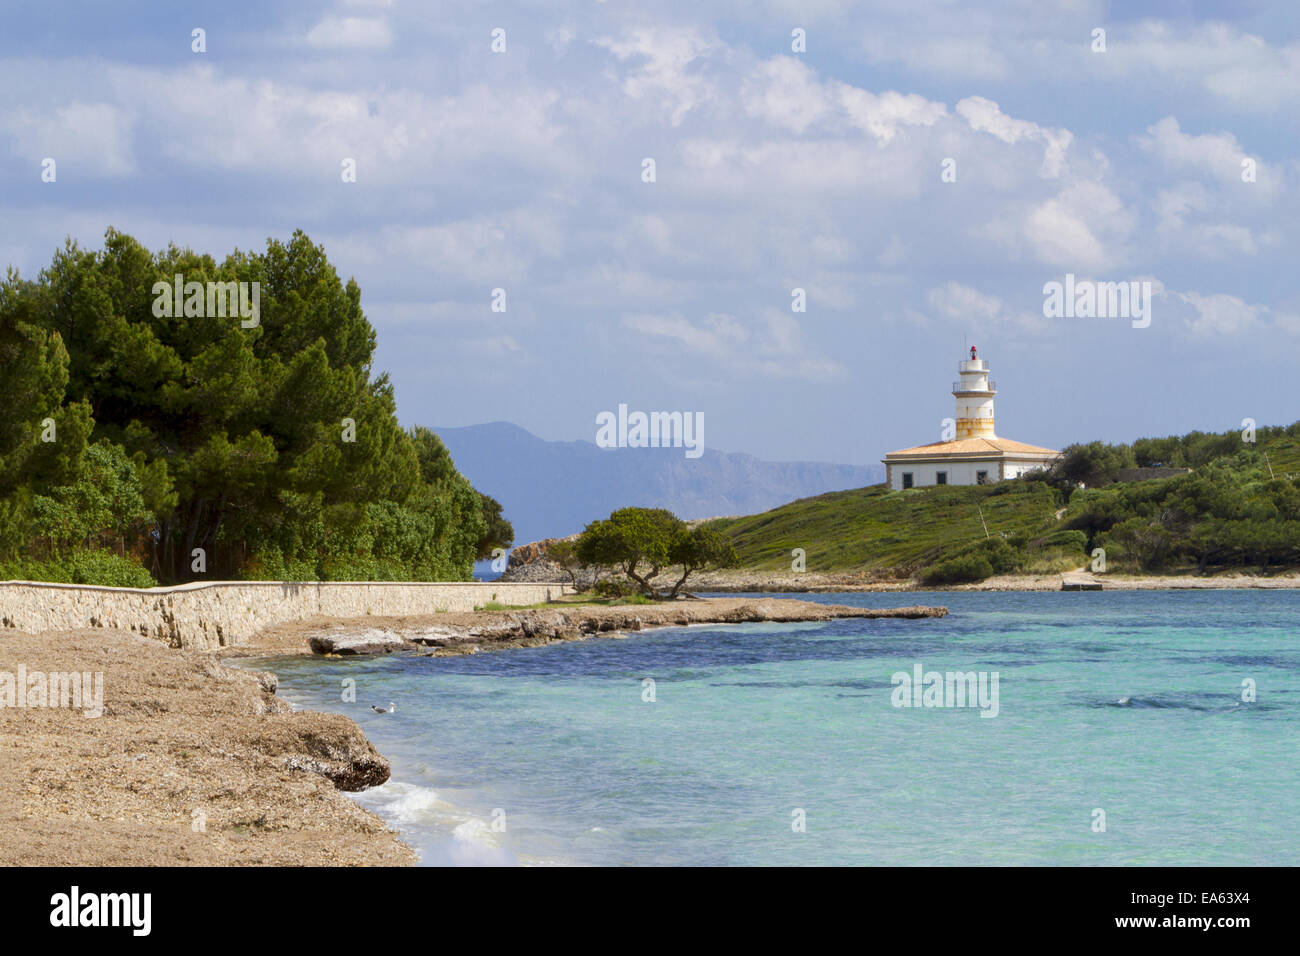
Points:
x=1129, y=703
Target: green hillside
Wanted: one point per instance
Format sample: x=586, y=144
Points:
x=1230, y=511
x=877, y=528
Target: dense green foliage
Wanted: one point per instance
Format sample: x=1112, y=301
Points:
x=1098, y=463
x=1228, y=513
x=642, y=542
x=1238, y=508
x=498, y=532
x=141, y=446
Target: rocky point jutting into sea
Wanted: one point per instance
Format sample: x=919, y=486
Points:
x=469, y=633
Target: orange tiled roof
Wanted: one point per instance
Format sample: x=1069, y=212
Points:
x=973, y=447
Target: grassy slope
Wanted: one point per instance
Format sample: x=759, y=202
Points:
x=905, y=530
x=1283, y=455
x=876, y=528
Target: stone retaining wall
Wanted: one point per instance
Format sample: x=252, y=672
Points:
x=223, y=613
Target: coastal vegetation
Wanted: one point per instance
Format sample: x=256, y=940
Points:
x=642, y=542
x=145, y=445
x=1238, y=507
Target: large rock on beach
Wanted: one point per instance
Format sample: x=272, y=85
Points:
x=326, y=744
x=344, y=642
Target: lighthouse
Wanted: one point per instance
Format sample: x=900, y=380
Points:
x=975, y=455
x=974, y=393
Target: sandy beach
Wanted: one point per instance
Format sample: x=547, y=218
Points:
x=196, y=763
x=191, y=763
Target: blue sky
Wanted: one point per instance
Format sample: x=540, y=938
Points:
x=775, y=170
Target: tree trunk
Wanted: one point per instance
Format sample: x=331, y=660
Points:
x=680, y=581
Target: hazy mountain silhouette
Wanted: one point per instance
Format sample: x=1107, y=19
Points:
x=553, y=488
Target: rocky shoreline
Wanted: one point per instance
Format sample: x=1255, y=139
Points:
x=529, y=564
x=442, y=635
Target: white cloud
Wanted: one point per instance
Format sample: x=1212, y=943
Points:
x=984, y=115
x=882, y=114
x=786, y=93
x=1217, y=155
x=1030, y=40
x=956, y=301
x=716, y=337
x=205, y=118
x=1175, y=204
x=1240, y=68
x=86, y=140
x=971, y=307
x=662, y=60
x=1082, y=227
x=771, y=346
x=480, y=250
x=350, y=33
x=1221, y=314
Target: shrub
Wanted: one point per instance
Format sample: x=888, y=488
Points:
x=962, y=569
x=103, y=568
x=613, y=588
x=1073, y=539
x=1001, y=556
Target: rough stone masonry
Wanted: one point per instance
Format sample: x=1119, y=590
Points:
x=224, y=613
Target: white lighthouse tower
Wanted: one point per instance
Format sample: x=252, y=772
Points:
x=974, y=393
x=976, y=456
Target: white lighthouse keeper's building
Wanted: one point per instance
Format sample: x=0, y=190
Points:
x=976, y=456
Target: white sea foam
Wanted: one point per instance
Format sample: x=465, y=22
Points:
x=477, y=831
x=406, y=803
x=442, y=833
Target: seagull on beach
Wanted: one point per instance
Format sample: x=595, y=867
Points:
x=384, y=710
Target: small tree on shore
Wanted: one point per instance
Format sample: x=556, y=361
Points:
x=642, y=542
x=633, y=540
x=565, y=554
x=700, y=548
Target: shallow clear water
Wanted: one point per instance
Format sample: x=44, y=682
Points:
x=754, y=722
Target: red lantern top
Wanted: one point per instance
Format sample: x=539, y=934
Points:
x=972, y=353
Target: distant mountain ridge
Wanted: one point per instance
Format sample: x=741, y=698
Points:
x=554, y=488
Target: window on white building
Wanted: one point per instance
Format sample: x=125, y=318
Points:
x=907, y=479
x=941, y=478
